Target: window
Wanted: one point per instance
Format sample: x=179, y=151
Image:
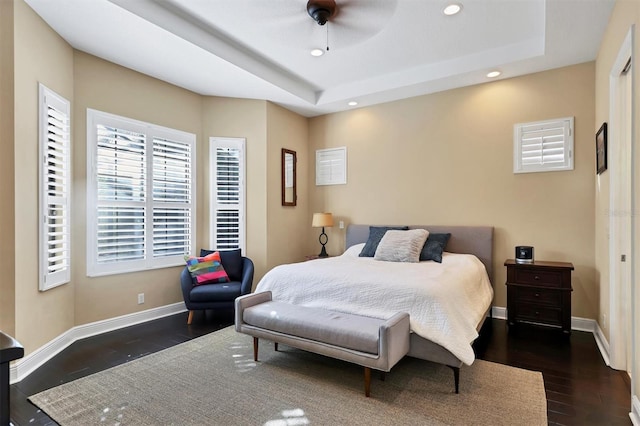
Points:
x=227, y=163
x=331, y=166
x=544, y=146
x=140, y=195
x=54, y=177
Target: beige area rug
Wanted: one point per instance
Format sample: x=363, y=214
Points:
x=213, y=380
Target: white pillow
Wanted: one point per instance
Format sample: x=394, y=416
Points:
x=353, y=251
x=401, y=246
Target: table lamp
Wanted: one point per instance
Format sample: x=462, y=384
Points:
x=320, y=220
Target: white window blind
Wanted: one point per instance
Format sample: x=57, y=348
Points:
x=543, y=146
x=54, y=191
x=140, y=192
x=227, y=162
x=331, y=166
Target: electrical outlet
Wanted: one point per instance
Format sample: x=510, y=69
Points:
x=140, y=298
x=341, y=224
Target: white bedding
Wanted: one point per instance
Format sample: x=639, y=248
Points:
x=445, y=301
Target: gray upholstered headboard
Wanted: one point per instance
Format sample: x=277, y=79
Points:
x=476, y=240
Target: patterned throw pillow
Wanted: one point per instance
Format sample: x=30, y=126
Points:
x=207, y=269
x=434, y=247
x=231, y=260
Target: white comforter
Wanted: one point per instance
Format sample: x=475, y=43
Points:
x=445, y=301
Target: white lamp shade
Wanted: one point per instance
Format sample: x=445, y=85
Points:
x=322, y=219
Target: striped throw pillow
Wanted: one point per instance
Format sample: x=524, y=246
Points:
x=207, y=269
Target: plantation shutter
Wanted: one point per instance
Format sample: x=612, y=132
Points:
x=140, y=195
x=55, y=150
x=121, y=172
x=331, y=166
x=228, y=193
x=543, y=146
x=172, y=197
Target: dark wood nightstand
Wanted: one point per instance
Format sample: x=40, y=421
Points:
x=539, y=292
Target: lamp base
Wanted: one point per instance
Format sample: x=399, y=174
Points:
x=323, y=252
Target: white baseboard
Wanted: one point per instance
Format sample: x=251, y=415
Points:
x=635, y=410
x=25, y=366
x=603, y=344
x=583, y=324
x=499, y=312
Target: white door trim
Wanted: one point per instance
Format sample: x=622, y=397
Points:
x=619, y=217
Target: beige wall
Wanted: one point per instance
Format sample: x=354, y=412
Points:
x=447, y=158
x=626, y=13
x=107, y=87
x=40, y=56
x=288, y=226
x=7, y=217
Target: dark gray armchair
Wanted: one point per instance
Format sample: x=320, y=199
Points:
x=218, y=296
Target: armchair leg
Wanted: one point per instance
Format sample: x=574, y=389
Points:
x=190, y=318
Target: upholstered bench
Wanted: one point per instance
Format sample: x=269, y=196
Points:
x=369, y=342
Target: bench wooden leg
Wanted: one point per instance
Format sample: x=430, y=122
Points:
x=456, y=377
x=190, y=318
x=367, y=381
x=382, y=376
x=255, y=349
x=275, y=345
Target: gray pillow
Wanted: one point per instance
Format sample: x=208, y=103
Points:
x=375, y=235
x=434, y=247
x=401, y=246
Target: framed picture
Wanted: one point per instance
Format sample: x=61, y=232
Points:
x=601, y=149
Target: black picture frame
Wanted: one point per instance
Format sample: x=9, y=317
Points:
x=601, y=149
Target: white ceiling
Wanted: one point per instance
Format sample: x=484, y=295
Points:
x=379, y=50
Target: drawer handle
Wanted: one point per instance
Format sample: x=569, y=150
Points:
x=537, y=313
x=536, y=277
x=537, y=294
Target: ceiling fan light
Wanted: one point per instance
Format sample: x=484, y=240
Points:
x=352, y=103
x=452, y=9
x=317, y=52
x=493, y=74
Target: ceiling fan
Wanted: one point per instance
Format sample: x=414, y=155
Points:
x=322, y=10
x=352, y=21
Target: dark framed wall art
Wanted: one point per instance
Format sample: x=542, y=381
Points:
x=601, y=149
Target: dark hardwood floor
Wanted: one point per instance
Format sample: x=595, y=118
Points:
x=581, y=389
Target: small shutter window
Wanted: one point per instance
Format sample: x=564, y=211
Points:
x=543, y=146
x=331, y=166
x=55, y=175
x=227, y=164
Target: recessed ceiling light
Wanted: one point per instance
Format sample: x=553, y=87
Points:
x=317, y=52
x=493, y=74
x=452, y=9
x=352, y=103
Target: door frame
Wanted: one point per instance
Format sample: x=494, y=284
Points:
x=620, y=217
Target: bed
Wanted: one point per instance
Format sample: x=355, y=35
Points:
x=441, y=332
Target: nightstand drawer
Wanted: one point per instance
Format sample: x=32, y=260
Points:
x=539, y=313
x=550, y=297
x=539, y=277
